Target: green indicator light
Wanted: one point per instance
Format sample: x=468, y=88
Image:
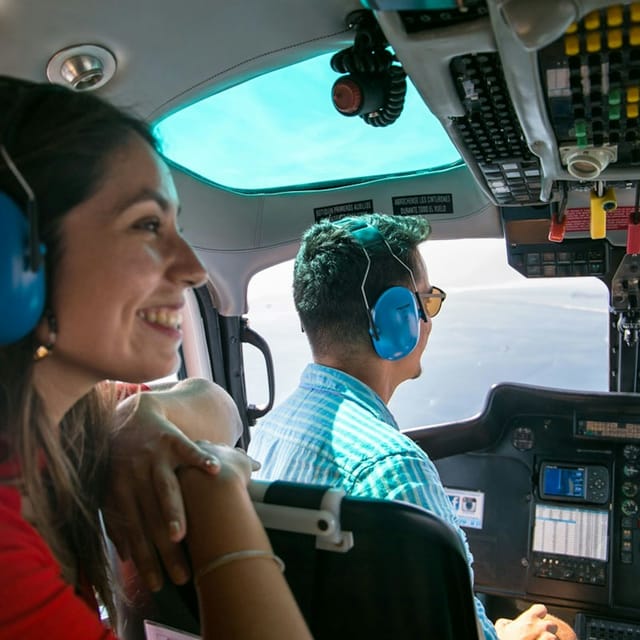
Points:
x=614, y=112
x=614, y=97
x=580, y=128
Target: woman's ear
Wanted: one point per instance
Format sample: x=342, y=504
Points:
x=46, y=333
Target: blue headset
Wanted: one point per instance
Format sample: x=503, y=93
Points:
x=22, y=285
x=394, y=319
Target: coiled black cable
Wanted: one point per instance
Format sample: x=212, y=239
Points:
x=369, y=63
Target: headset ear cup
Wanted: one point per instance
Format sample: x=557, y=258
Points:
x=397, y=321
x=22, y=291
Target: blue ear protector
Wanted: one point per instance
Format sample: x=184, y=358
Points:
x=394, y=319
x=22, y=289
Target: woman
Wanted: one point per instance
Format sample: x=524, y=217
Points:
x=116, y=271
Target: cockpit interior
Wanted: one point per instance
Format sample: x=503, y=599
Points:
x=540, y=102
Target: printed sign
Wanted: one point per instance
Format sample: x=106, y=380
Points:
x=579, y=219
x=337, y=211
x=468, y=506
x=426, y=204
x=156, y=631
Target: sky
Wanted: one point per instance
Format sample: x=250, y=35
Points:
x=495, y=326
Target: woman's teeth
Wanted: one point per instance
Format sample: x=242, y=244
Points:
x=163, y=317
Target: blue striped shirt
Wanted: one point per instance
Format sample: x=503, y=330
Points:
x=335, y=430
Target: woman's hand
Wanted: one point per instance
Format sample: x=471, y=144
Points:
x=233, y=464
x=144, y=510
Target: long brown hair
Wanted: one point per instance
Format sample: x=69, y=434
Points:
x=61, y=142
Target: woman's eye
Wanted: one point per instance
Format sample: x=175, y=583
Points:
x=149, y=224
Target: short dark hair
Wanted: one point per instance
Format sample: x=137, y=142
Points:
x=329, y=269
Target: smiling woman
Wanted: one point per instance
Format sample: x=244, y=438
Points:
x=116, y=272
x=141, y=294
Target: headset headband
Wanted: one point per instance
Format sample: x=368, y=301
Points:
x=394, y=318
x=35, y=255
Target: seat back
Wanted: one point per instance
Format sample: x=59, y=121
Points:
x=359, y=568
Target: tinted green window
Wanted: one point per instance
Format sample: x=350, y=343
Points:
x=280, y=130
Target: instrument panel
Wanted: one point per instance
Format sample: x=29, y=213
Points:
x=557, y=475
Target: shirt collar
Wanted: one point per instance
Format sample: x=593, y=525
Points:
x=318, y=376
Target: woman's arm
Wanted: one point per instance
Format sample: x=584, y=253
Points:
x=144, y=512
x=243, y=595
x=201, y=409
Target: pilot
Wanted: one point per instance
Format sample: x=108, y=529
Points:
x=366, y=305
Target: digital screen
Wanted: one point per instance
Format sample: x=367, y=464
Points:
x=565, y=482
x=581, y=533
x=608, y=429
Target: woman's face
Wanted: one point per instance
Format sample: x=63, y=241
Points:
x=124, y=268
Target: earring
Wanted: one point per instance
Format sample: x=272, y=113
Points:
x=45, y=350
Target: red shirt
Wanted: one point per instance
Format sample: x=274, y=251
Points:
x=35, y=602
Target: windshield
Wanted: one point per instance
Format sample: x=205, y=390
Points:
x=495, y=326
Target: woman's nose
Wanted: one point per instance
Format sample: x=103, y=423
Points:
x=187, y=267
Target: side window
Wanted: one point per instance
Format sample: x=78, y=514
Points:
x=495, y=326
x=272, y=314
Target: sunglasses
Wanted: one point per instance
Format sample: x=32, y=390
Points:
x=432, y=301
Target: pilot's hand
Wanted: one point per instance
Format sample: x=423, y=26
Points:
x=532, y=624
x=144, y=511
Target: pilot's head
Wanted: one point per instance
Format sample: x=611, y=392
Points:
x=361, y=290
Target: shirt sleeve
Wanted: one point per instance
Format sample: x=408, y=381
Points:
x=126, y=389
x=35, y=602
x=414, y=479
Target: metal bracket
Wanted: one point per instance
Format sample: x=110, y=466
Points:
x=323, y=523
x=625, y=284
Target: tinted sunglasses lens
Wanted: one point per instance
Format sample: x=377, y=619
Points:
x=434, y=304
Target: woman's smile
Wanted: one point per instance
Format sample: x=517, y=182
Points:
x=165, y=319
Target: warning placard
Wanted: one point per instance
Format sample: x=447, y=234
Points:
x=579, y=219
x=335, y=211
x=425, y=204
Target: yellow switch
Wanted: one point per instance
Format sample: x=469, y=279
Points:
x=593, y=41
x=592, y=21
x=600, y=206
x=571, y=45
x=614, y=16
x=614, y=38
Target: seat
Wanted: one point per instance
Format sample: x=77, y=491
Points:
x=359, y=568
